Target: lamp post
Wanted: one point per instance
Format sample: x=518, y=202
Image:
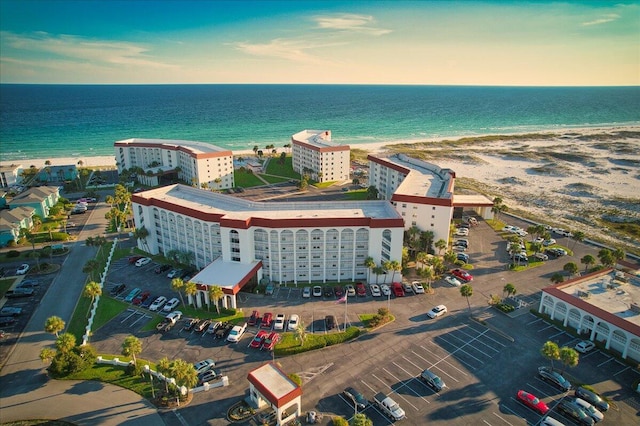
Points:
x=147, y=370
x=389, y=301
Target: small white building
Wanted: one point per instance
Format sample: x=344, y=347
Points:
x=314, y=153
x=197, y=163
x=10, y=175
x=603, y=307
x=269, y=386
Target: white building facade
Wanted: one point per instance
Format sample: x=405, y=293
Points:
x=421, y=192
x=313, y=153
x=198, y=163
x=295, y=242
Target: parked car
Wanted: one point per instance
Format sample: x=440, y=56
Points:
x=214, y=326
x=134, y=259
x=462, y=232
x=224, y=330
x=191, y=324
x=141, y=297
x=361, y=290
x=461, y=242
x=433, y=380
x=254, y=318
x=532, y=402
x=462, y=256
x=132, y=294
x=407, y=287
x=162, y=268
x=555, y=252
x=209, y=376
x=317, y=291
x=520, y=257
x=306, y=292
x=267, y=318
x=171, y=304
x=119, y=288
x=437, y=311
x=356, y=398
x=174, y=273
x=584, y=346
x=375, y=290
x=350, y=290
x=592, y=398
x=158, y=303
x=541, y=256
x=548, y=242
x=257, y=340
x=397, y=289
x=236, y=333
x=29, y=284
x=293, y=322
x=463, y=275
x=269, y=289
x=327, y=291
x=204, y=365
x=417, y=287
x=570, y=408
x=338, y=291
x=592, y=411
x=330, y=322
x=19, y=292
x=554, y=378
x=10, y=311
x=278, y=324
x=202, y=325
x=7, y=320
x=270, y=341
x=143, y=261
x=453, y=281
x=22, y=269
x=385, y=290
x=147, y=303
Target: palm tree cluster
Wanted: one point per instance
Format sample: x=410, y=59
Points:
x=181, y=371
x=498, y=207
x=568, y=356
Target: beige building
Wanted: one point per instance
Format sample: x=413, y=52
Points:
x=314, y=154
x=198, y=163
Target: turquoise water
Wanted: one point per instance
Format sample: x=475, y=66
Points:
x=47, y=121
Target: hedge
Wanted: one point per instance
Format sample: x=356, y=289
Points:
x=319, y=342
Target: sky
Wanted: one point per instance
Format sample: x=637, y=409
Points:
x=503, y=43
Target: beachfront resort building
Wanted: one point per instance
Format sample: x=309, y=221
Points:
x=314, y=153
x=603, y=307
x=40, y=198
x=238, y=241
x=12, y=221
x=198, y=163
x=10, y=175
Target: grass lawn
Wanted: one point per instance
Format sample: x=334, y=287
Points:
x=324, y=184
x=274, y=179
x=108, y=308
x=118, y=376
x=5, y=284
x=79, y=319
x=286, y=170
x=246, y=180
x=358, y=195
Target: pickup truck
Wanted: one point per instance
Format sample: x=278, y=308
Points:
x=169, y=321
x=388, y=406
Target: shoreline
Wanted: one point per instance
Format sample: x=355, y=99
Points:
x=371, y=147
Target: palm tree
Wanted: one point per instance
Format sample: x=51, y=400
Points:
x=428, y=274
x=184, y=373
x=378, y=270
x=132, y=347
x=190, y=289
x=440, y=245
x=47, y=354
x=551, y=351
x=386, y=265
x=215, y=295
x=426, y=240
x=498, y=207
x=369, y=263
x=255, y=150
x=556, y=278
x=65, y=343
x=361, y=419
x=588, y=260
x=372, y=193
x=578, y=236
x=90, y=267
x=92, y=290
x=571, y=268
x=535, y=246
x=141, y=234
x=300, y=333
x=394, y=266
x=54, y=325
x=569, y=357
x=177, y=284
x=606, y=257
x=467, y=291
x=422, y=258
x=36, y=255
x=509, y=289
x=164, y=367
x=618, y=254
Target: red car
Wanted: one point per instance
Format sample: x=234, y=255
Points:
x=270, y=341
x=266, y=320
x=254, y=318
x=134, y=259
x=532, y=402
x=463, y=275
x=397, y=289
x=141, y=297
x=361, y=290
x=258, y=339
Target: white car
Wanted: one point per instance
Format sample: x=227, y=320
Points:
x=585, y=346
x=350, y=290
x=462, y=232
x=541, y=256
x=548, y=242
x=278, y=324
x=453, y=281
x=171, y=305
x=437, y=311
x=204, y=365
x=22, y=269
x=375, y=290
x=158, y=303
x=317, y=291
x=385, y=289
x=173, y=273
x=417, y=287
x=236, y=333
x=143, y=261
x=306, y=292
x=592, y=411
x=294, y=320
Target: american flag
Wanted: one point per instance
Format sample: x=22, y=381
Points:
x=342, y=299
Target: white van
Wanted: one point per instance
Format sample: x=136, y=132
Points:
x=550, y=421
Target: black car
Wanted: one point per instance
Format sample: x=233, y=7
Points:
x=433, y=380
x=191, y=324
x=356, y=398
x=162, y=268
x=592, y=398
x=118, y=289
x=330, y=322
x=148, y=301
x=19, y=292
x=7, y=320
x=569, y=407
x=338, y=291
x=554, y=378
x=328, y=292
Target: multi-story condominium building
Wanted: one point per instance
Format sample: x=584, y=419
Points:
x=314, y=154
x=197, y=163
x=10, y=175
x=288, y=242
x=421, y=192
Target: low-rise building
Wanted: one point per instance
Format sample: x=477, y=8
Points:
x=10, y=175
x=11, y=221
x=269, y=386
x=41, y=198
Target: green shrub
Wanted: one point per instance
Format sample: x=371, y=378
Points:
x=13, y=253
x=505, y=307
x=59, y=236
x=339, y=421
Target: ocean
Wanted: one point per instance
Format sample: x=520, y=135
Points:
x=48, y=121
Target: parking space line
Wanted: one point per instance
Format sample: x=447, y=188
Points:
x=604, y=362
x=142, y=316
x=133, y=312
x=462, y=350
x=622, y=371
x=482, y=343
x=546, y=384
x=487, y=336
x=486, y=422
x=411, y=362
x=367, y=385
x=556, y=335
x=546, y=328
x=446, y=362
x=412, y=378
x=500, y=417
x=398, y=393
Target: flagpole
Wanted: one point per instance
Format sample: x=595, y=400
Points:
x=346, y=302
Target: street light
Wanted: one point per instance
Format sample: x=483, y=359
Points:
x=147, y=370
